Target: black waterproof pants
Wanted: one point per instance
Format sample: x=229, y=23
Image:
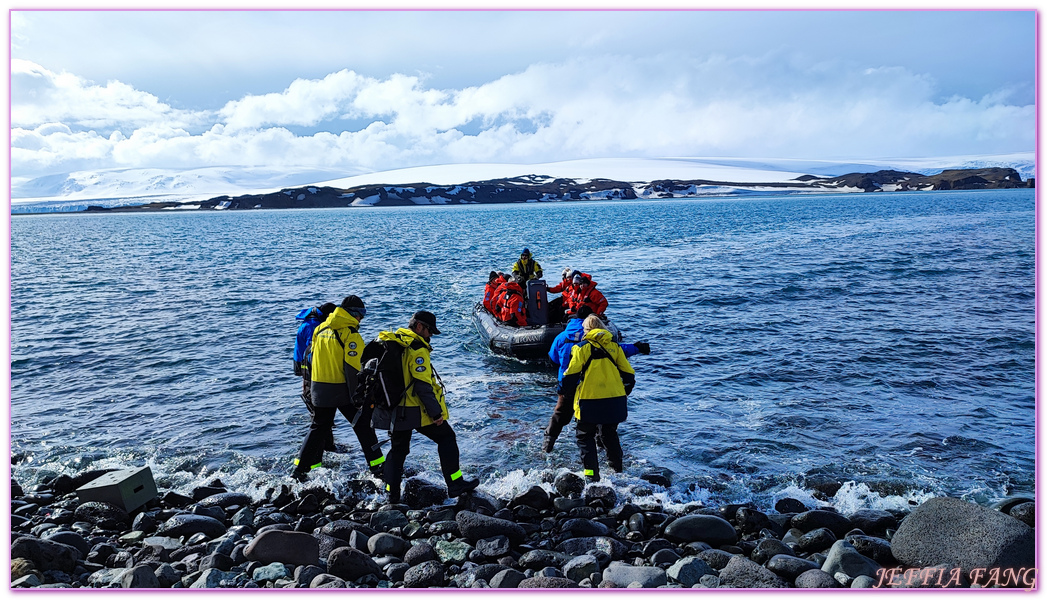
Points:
x=307, y=397
x=446, y=448
x=562, y=415
x=586, y=434
x=312, y=451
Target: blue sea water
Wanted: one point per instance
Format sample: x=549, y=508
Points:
x=885, y=340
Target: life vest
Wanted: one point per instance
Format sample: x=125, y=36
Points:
x=530, y=269
x=514, y=307
x=490, y=291
x=591, y=297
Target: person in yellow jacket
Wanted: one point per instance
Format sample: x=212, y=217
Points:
x=423, y=408
x=527, y=267
x=599, y=377
x=336, y=349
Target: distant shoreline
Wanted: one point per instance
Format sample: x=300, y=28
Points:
x=535, y=188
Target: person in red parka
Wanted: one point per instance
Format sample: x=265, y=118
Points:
x=493, y=282
x=584, y=293
x=514, y=310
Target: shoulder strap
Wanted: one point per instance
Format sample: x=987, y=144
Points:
x=335, y=331
x=604, y=354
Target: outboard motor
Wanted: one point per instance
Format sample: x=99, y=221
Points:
x=537, y=302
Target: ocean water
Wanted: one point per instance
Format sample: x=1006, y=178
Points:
x=882, y=341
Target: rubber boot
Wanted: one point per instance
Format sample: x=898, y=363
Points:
x=461, y=486
x=551, y=433
x=393, y=494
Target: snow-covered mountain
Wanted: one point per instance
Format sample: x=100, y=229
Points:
x=75, y=191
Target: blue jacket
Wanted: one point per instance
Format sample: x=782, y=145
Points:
x=560, y=351
x=310, y=318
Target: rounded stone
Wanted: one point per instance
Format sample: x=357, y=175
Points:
x=816, y=578
x=425, y=575
x=569, y=485
x=710, y=529
x=475, y=527
x=189, y=525
x=291, y=547
x=383, y=544
x=623, y=575
x=102, y=515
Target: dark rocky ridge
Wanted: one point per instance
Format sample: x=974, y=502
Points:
x=534, y=188
x=575, y=536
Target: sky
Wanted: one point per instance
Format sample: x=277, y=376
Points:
x=364, y=91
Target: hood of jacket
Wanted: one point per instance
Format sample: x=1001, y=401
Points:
x=600, y=336
x=403, y=336
x=574, y=330
x=309, y=314
x=341, y=319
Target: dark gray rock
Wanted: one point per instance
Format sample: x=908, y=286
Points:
x=103, y=515
x=384, y=520
x=1007, y=504
x=789, y=567
x=948, y=530
x=509, y=578
x=622, y=575
x=569, y=485
x=397, y=571
x=189, y=524
x=475, y=527
x=741, y=572
x=383, y=544
x=873, y=547
x=539, y=559
x=69, y=538
x=585, y=528
x=425, y=575
x=47, y=555
x=350, y=564
x=816, y=578
x=419, y=493
x=815, y=519
x=659, y=476
x=493, y=547
x=225, y=500
x=358, y=540
x=710, y=529
x=816, y=540
x=767, y=548
x=166, y=575
x=304, y=574
x=291, y=547
x=1025, y=512
x=664, y=557
x=329, y=543
x=342, y=529
x=790, y=505
x=600, y=495
x=874, y=522
x=750, y=520
x=547, y=582
x=326, y=581
x=216, y=561
x=843, y=558
x=689, y=571
x=215, y=512
x=715, y=558
x=578, y=546
x=562, y=504
x=581, y=567
x=536, y=497
x=419, y=553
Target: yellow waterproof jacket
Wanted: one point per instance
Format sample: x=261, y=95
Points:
x=337, y=345
x=600, y=377
x=424, y=401
x=530, y=269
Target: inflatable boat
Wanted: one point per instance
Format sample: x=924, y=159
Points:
x=531, y=342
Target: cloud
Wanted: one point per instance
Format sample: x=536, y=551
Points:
x=41, y=96
x=772, y=105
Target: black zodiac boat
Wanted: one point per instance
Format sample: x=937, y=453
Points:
x=531, y=342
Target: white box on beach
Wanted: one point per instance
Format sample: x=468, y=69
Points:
x=128, y=489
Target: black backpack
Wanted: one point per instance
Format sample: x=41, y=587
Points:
x=381, y=382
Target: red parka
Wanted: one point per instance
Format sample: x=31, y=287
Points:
x=587, y=295
x=490, y=295
x=514, y=307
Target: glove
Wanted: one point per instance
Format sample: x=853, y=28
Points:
x=643, y=347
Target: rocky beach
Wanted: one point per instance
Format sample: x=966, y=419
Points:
x=561, y=534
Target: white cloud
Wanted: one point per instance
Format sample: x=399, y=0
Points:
x=668, y=105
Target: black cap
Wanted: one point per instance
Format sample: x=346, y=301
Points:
x=429, y=319
x=352, y=302
x=584, y=311
x=327, y=308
